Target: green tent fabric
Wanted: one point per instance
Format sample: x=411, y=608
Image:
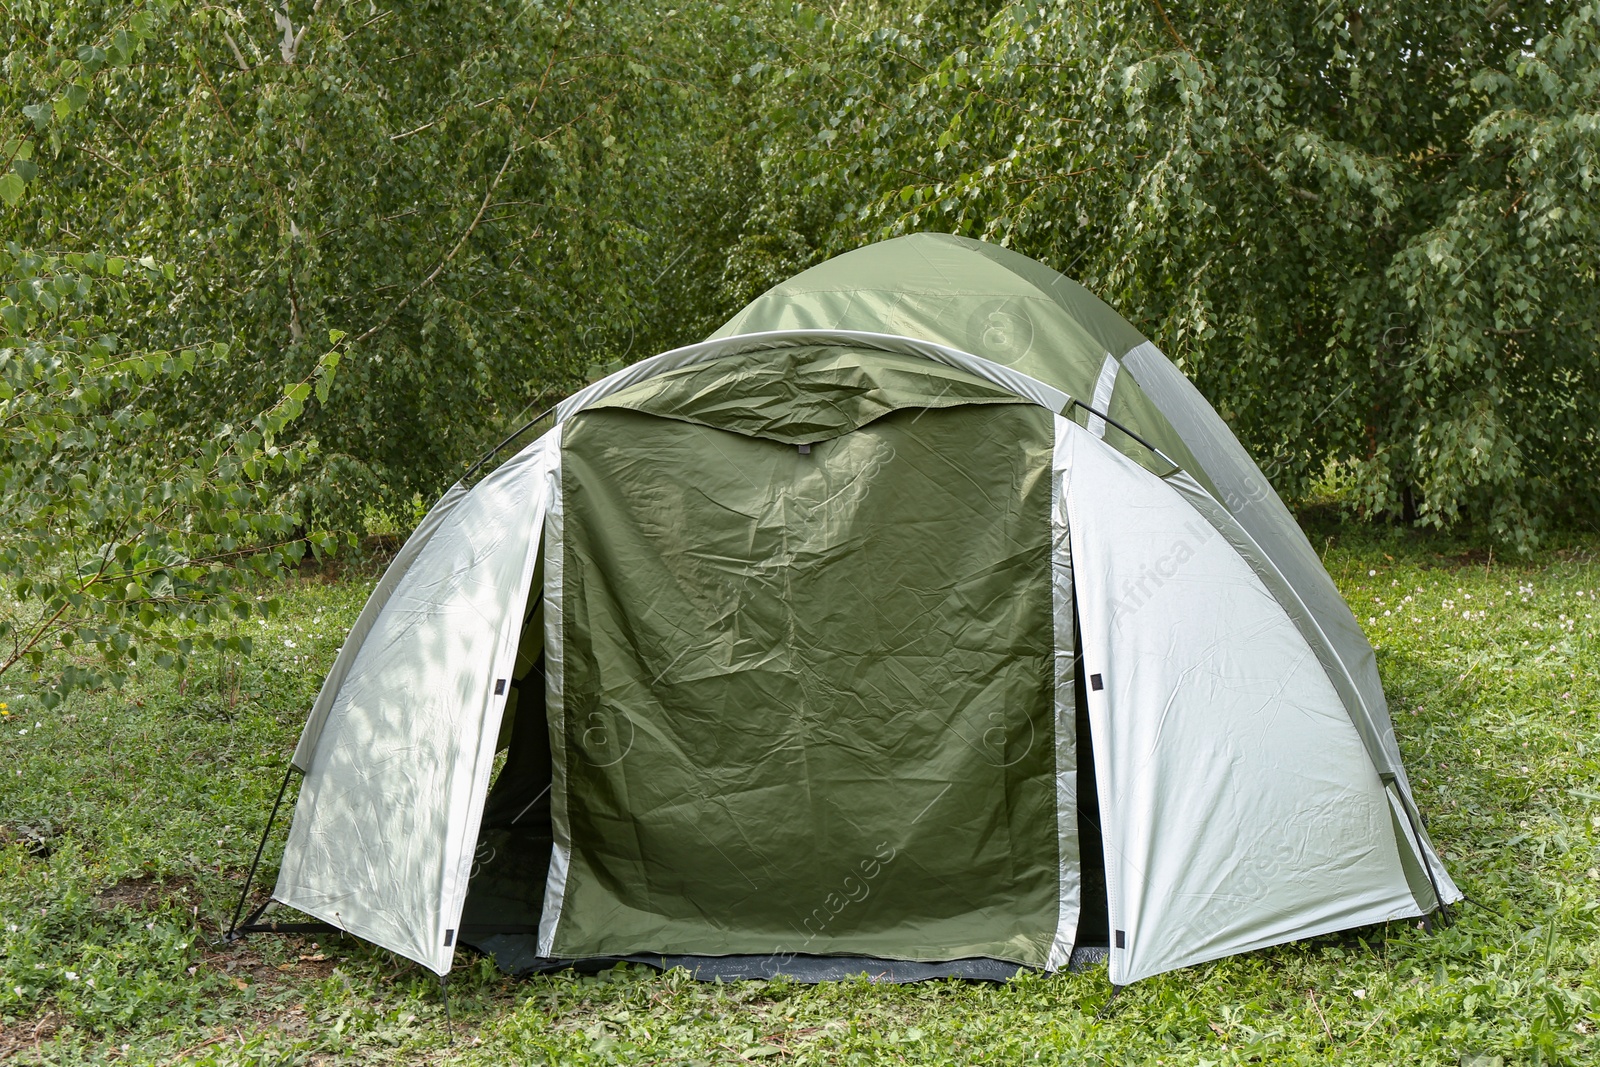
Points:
x=806, y=394
x=922, y=621
x=746, y=723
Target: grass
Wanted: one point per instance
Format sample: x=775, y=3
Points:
x=127, y=821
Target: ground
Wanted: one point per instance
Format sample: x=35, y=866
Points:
x=127, y=822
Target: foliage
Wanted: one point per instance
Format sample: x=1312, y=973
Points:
x=1496, y=715
x=116, y=535
x=122, y=536
x=487, y=197
x=1369, y=232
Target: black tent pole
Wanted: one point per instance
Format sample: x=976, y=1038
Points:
x=518, y=432
x=1393, y=782
x=244, y=893
x=444, y=995
x=1108, y=420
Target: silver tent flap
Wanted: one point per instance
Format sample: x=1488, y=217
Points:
x=1249, y=498
x=307, y=746
x=381, y=841
x=1238, y=804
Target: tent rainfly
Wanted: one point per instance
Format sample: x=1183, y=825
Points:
x=925, y=620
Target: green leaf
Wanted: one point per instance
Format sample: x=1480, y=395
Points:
x=121, y=50
x=11, y=187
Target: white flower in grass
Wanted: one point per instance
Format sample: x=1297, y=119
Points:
x=72, y=976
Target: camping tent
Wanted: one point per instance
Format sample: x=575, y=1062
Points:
x=924, y=619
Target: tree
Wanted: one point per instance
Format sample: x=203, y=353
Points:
x=123, y=540
x=487, y=197
x=1370, y=233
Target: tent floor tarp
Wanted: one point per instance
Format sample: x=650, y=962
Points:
x=515, y=954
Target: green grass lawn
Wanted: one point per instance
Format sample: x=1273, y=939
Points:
x=127, y=820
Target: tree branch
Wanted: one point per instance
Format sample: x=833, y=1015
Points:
x=1168, y=23
x=488, y=194
x=238, y=55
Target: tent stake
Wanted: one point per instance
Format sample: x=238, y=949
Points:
x=444, y=995
x=244, y=894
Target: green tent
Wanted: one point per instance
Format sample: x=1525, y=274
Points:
x=924, y=620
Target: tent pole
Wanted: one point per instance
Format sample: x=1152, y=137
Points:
x=518, y=432
x=1422, y=849
x=1109, y=421
x=244, y=894
x=444, y=995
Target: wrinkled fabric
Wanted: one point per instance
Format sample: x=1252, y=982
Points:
x=805, y=394
x=809, y=697
x=1238, y=806
x=746, y=348
x=389, y=808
